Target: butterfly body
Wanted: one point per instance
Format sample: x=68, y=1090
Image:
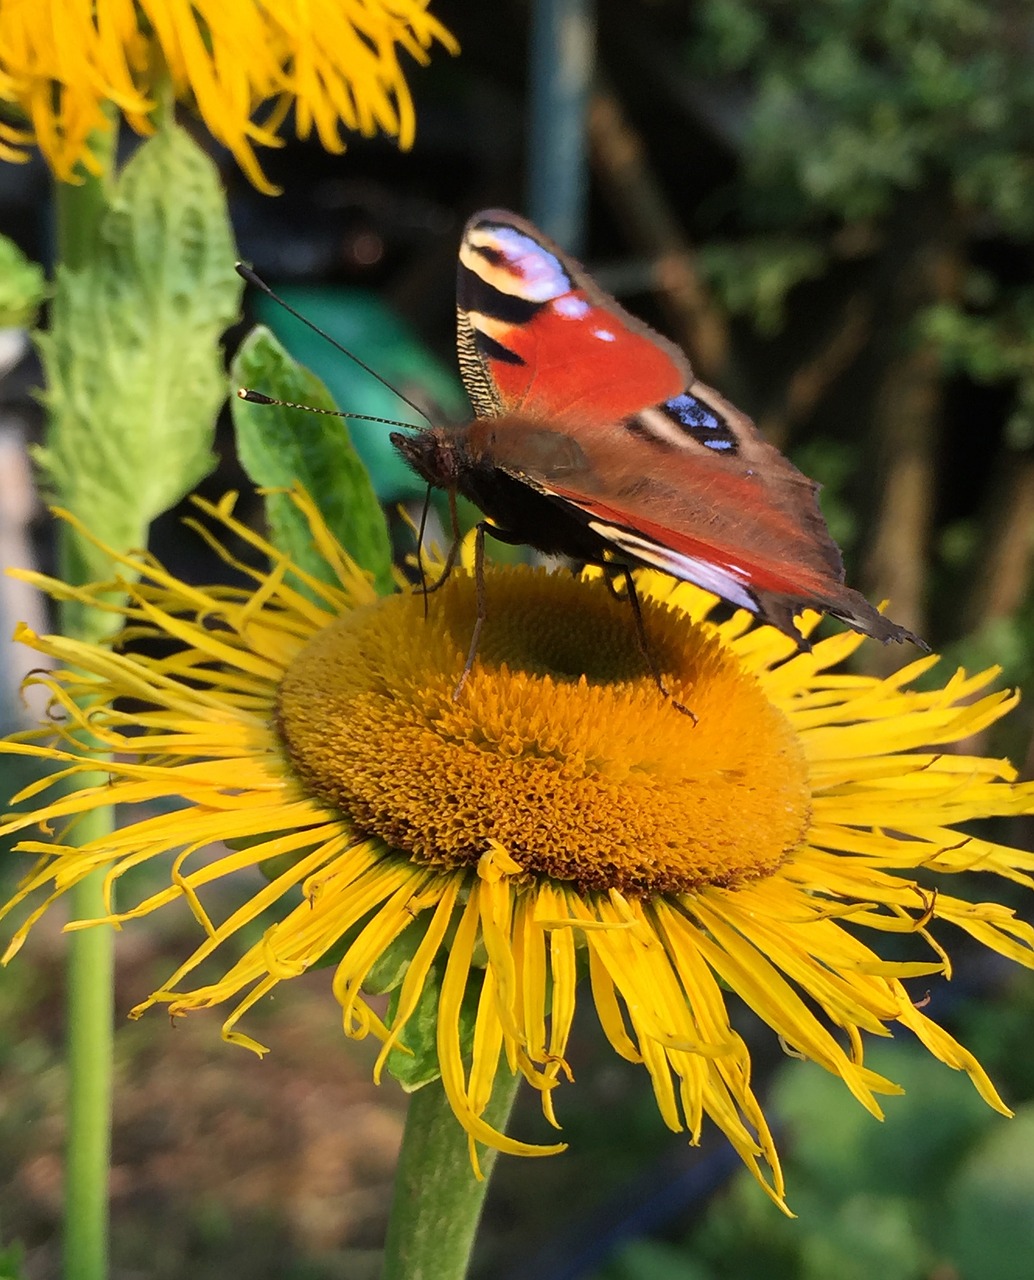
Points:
x=593, y=439
x=467, y=460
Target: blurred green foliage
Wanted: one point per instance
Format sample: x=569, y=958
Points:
x=853, y=105
x=23, y=287
x=755, y=277
x=942, y=1186
x=876, y=234
x=12, y=1263
x=857, y=100
x=994, y=344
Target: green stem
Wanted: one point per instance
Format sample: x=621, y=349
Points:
x=80, y=206
x=90, y=1022
x=90, y=1014
x=438, y=1200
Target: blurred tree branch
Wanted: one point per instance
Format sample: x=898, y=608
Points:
x=809, y=382
x=1006, y=545
x=619, y=157
x=923, y=264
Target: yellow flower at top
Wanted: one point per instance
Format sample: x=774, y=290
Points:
x=335, y=61
x=559, y=819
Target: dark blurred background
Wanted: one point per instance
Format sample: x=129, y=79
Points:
x=829, y=204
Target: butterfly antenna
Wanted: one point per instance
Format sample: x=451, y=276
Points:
x=246, y=273
x=260, y=397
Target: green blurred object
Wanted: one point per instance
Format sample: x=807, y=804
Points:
x=23, y=286
x=943, y=1185
x=989, y=1221
x=838, y=1146
x=360, y=321
x=12, y=1262
x=654, y=1260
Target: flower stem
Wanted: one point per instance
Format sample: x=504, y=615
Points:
x=90, y=1042
x=438, y=1200
x=90, y=1011
x=80, y=206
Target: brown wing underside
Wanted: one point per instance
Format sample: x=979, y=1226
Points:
x=747, y=527
x=753, y=509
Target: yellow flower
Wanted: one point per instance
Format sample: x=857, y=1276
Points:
x=559, y=815
x=335, y=61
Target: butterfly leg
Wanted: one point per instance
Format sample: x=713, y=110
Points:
x=500, y=535
x=454, y=550
x=644, y=644
x=612, y=572
x=482, y=608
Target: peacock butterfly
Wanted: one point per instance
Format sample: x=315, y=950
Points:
x=593, y=439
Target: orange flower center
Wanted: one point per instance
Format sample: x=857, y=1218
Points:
x=560, y=746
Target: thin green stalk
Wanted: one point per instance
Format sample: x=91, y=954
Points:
x=91, y=952
x=438, y=1201
x=91, y=963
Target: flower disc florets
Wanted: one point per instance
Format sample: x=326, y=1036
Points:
x=560, y=746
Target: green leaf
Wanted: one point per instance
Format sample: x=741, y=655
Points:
x=132, y=360
x=420, y=1065
x=23, y=287
x=279, y=447
x=393, y=963
x=374, y=334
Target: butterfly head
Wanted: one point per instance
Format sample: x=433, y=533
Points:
x=434, y=455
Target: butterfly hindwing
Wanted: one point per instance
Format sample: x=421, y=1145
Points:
x=739, y=520
x=621, y=452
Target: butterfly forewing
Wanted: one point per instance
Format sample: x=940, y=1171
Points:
x=538, y=337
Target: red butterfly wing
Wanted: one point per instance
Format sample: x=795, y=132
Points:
x=588, y=406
